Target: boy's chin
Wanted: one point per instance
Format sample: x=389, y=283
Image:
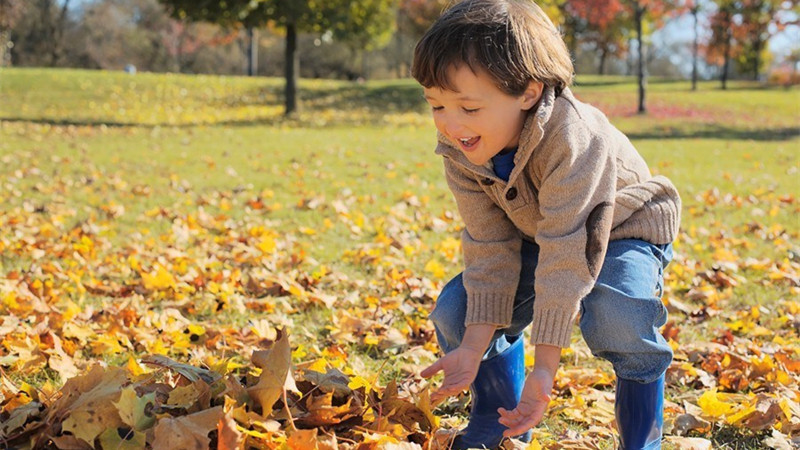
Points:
x=477, y=160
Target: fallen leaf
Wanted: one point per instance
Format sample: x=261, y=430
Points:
x=687, y=443
x=191, y=373
x=187, y=432
x=228, y=437
x=275, y=376
x=123, y=439
x=134, y=410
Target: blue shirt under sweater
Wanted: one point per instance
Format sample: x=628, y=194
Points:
x=503, y=164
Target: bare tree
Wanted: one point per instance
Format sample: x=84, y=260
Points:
x=10, y=13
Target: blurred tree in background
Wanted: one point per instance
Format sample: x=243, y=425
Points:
x=359, y=39
x=362, y=24
x=10, y=13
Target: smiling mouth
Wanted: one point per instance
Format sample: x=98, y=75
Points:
x=469, y=143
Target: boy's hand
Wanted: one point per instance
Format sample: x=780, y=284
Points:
x=460, y=368
x=532, y=405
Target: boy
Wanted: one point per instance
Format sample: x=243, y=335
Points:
x=561, y=216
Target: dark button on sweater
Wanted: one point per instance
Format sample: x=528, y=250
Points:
x=511, y=194
x=487, y=181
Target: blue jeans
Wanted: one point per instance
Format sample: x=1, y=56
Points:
x=619, y=318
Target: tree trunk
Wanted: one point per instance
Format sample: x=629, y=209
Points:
x=178, y=62
x=58, y=33
x=642, y=71
x=46, y=37
x=364, y=65
x=252, y=52
x=694, y=50
x=399, y=66
x=727, y=56
x=629, y=62
x=757, y=44
x=5, y=49
x=601, y=68
x=291, y=69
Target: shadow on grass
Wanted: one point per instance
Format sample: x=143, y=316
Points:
x=715, y=131
x=338, y=104
x=389, y=98
x=100, y=123
x=341, y=104
x=710, y=131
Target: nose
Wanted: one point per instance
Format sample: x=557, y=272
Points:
x=450, y=125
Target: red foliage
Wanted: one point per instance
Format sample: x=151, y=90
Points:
x=597, y=13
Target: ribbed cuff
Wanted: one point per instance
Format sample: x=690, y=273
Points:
x=489, y=307
x=552, y=327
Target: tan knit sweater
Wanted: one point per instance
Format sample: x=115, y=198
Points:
x=577, y=183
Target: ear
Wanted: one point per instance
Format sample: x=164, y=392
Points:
x=531, y=95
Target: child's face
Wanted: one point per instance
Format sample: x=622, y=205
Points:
x=478, y=116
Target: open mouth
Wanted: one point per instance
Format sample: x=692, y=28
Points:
x=468, y=143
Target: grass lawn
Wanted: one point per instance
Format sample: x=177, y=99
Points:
x=165, y=202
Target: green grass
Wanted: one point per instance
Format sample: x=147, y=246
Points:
x=354, y=165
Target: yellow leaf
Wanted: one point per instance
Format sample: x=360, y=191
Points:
x=423, y=402
x=319, y=365
x=72, y=310
x=159, y=280
x=132, y=409
x=435, y=269
x=89, y=400
x=10, y=300
x=106, y=344
x=774, y=211
x=184, y=396
x=134, y=367
x=534, y=445
x=450, y=247
x=713, y=404
x=739, y=416
x=371, y=339
x=267, y=244
x=132, y=440
x=357, y=381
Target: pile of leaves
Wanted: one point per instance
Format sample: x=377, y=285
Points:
x=179, y=406
x=132, y=286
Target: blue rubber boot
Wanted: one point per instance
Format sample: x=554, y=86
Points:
x=640, y=414
x=498, y=384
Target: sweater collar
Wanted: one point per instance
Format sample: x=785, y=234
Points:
x=530, y=136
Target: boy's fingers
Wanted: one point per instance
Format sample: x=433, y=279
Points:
x=432, y=369
x=508, y=418
x=518, y=428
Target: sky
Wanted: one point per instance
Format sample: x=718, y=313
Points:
x=681, y=30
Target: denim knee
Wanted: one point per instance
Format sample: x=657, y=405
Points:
x=621, y=315
x=449, y=314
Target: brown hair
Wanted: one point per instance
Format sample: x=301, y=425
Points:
x=513, y=40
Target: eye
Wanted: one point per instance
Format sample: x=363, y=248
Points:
x=437, y=108
x=471, y=111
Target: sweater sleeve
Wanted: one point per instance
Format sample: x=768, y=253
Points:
x=491, y=245
x=576, y=200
